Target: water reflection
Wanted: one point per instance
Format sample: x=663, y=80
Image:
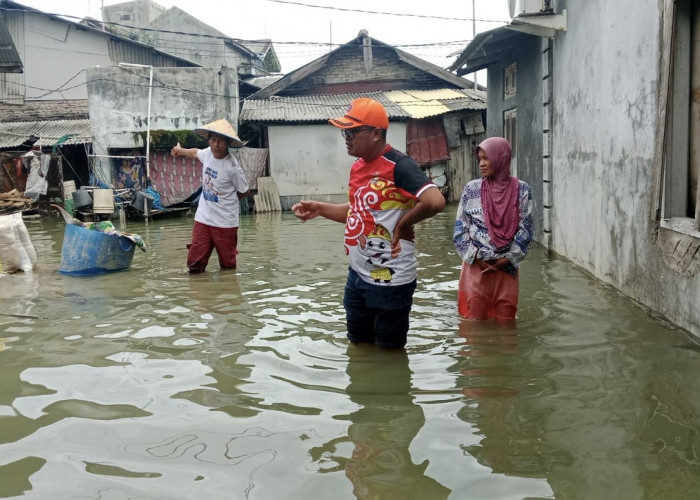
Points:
x=381, y=429
x=492, y=381
x=555, y=398
x=152, y=383
x=487, y=337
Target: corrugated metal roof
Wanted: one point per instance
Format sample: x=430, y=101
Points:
x=425, y=103
x=10, y=62
x=426, y=141
x=48, y=133
x=479, y=54
x=45, y=110
x=400, y=105
x=262, y=81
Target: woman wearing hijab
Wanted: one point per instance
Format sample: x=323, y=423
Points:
x=492, y=234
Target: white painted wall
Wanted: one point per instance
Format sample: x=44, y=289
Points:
x=56, y=55
x=311, y=161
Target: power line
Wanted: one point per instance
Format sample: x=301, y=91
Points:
x=209, y=47
x=279, y=100
x=58, y=89
x=242, y=41
x=162, y=42
x=400, y=14
x=63, y=86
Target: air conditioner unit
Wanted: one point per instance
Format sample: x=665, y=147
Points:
x=530, y=7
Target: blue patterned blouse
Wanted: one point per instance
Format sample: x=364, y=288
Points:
x=471, y=236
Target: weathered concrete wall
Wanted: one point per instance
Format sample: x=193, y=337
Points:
x=137, y=13
x=177, y=32
x=605, y=123
x=212, y=51
x=319, y=168
x=528, y=102
x=181, y=99
x=607, y=127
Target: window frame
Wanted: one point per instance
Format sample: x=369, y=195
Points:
x=674, y=155
x=510, y=127
x=510, y=81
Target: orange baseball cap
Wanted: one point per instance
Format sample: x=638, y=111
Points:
x=363, y=111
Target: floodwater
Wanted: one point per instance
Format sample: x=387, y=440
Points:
x=151, y=383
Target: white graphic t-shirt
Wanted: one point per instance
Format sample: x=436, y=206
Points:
x=222, y=180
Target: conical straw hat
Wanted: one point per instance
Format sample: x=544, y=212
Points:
x=221, y=127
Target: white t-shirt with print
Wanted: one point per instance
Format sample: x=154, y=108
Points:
x=222, y=180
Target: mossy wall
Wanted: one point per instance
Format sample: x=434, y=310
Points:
x=166, y=139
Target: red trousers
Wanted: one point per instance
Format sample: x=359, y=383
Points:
x=490, y=294
x=205, y=239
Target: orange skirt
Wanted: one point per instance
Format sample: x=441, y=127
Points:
x=490, y=294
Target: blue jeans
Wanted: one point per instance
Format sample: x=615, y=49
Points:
x=377, y=314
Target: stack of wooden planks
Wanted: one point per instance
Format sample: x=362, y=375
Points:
x=14, y=201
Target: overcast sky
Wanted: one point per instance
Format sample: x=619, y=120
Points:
x=431, y=29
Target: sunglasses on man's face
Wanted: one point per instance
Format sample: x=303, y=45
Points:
x=349, y=133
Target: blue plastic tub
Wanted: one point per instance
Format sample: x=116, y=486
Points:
x=86, y=252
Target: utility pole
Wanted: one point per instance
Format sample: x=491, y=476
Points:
x=476, y=86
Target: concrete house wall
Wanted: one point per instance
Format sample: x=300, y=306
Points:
x=527, y=103
x=175, y=31
x=319, y=169
x=56, y=52
x=136, y=13
x=308, y=156
x=49, y=49
x=181, y=99
x=212, y=51
x=593, y=142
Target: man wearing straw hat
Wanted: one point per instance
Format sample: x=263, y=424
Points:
x=223, y=183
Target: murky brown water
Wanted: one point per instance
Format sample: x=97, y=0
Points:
x=152, y=383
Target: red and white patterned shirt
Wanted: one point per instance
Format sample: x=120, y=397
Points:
x=380, y=193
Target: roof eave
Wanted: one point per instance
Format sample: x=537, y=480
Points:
x=486, y=49
x=86, y=27
x=290, y=79
x=434, y=70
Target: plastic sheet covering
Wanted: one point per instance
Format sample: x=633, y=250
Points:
x=177, y=178
x=17, y=251
x=38, y=168
x=252, y=162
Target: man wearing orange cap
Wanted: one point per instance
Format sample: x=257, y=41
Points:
x=223, y=183
x=388, y=194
